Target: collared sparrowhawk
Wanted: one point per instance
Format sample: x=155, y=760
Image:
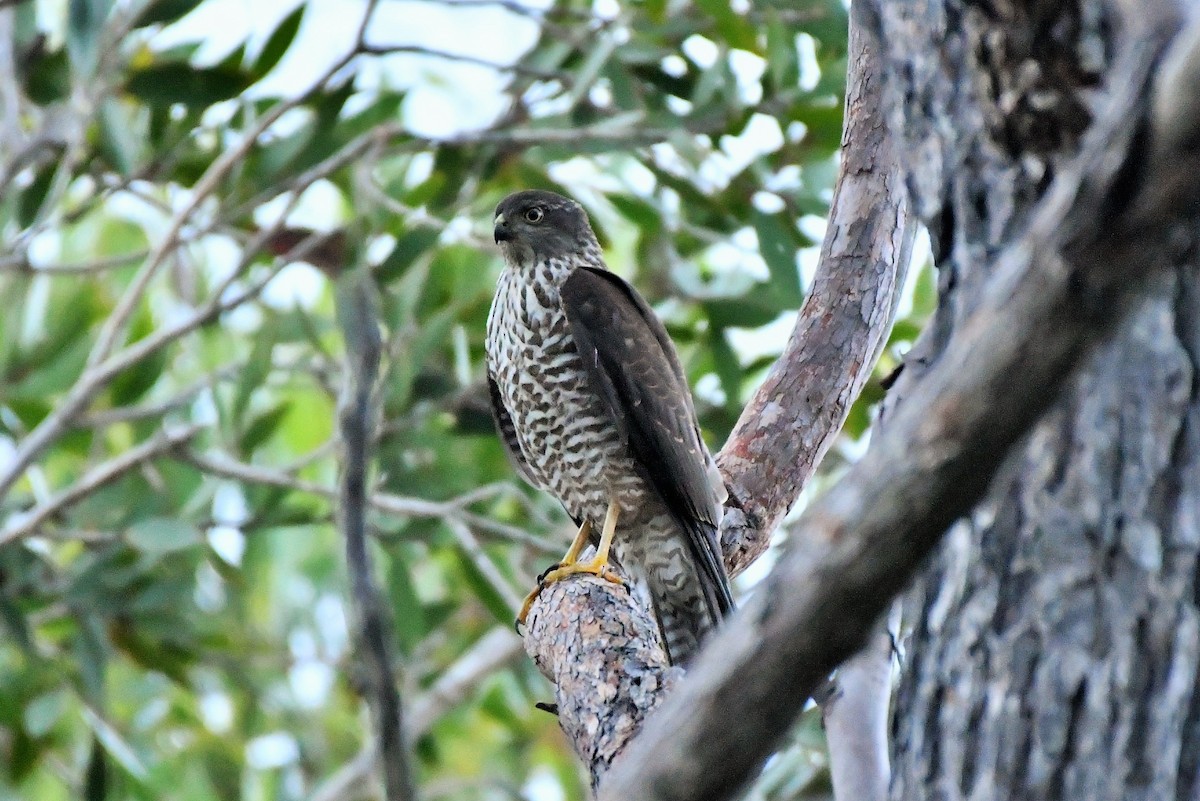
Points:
x=592, y=405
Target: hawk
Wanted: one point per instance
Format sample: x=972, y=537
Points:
x=593, y=407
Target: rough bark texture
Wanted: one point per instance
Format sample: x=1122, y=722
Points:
x=609, y=671
x=1056, y=635
x=795, y=416
x=783, y=433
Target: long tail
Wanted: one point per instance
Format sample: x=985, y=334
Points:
x=689, y=591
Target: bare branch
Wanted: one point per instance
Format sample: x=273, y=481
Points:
x=484, y=564
x=463, y=58
x=491, y=652
x=220, y=465
x=29, y=522
x=19, y=262
x=517, y=8
x=126, y=414
x=856, y=719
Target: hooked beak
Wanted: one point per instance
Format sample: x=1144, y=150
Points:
x=502, y=231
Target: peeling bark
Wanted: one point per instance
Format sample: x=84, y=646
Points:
x=609, y=670
x=795, y=416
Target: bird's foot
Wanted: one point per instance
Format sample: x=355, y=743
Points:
x=595, y=567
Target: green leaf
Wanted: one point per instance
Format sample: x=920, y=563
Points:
x=47, y=77
x=925, y=293
x=85, y=24
x=778, y=243
x=407, y=614
x=165, y=84
x=409, y=246
x=43, y=712
x=159, y=535
x=278, y=43
x=633, y=208
x=165, y=11
x=115, y=745
x=750, y=311
x=16, y=624
x=906, y=330
x=132, y=383
x=262, y=427
x=120, y=137
x=483, y=590
x=90, y=648
x=35, y=194
x=728, y=369
x=782, y=61
x=257, y=368
x=734, y=28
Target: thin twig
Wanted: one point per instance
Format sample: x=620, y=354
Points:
x=223, y=466
x=483, y=563
x=517, y=8
x=95, y=478
x=19, y=262
x=490, y=653
x=127, y=414
x=463, y=58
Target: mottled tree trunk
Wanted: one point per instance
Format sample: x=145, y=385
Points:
x=1055, y=637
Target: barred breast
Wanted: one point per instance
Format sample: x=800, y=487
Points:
x=566, y=435
x=573, y=450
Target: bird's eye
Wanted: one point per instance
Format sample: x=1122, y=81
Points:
x=534, y=215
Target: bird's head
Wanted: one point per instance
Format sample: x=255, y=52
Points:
x=534, y=225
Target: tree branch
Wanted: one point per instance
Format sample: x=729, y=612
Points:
x=89, y=482
x=493, y=650
x=797, y=414
x=783, y=433
x=358, y=411
x=1100, y=233
x=403, y=506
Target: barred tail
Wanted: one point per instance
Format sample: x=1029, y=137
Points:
x=689, y=598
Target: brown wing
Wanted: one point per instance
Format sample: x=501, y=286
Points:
x=507, y=431
x=631, y=363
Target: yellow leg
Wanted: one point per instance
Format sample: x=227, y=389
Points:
x=599, y=563
x=578, y=544
x=570, y=564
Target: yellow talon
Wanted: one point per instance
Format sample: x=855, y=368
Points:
x=570, y=565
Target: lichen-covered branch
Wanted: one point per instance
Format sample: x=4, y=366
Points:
x=609, y=670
